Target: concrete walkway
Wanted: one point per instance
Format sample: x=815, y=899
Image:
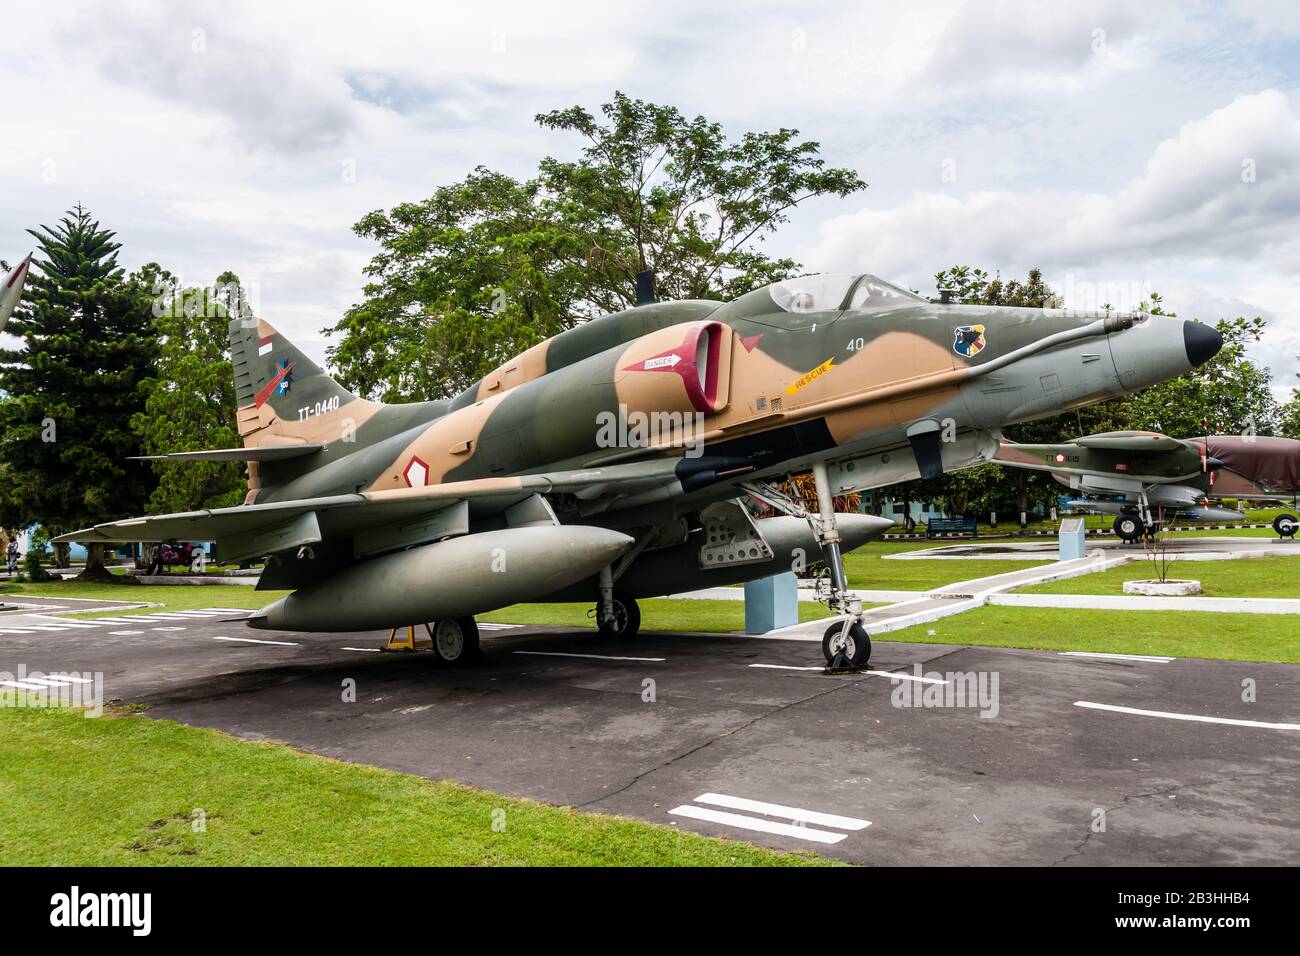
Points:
x=950, y=599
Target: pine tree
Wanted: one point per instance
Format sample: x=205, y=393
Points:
x=72, y=391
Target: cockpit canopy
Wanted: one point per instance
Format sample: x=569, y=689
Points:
x=833, y=291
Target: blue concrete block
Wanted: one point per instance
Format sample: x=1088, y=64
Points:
x=1073, y=542
x=771, y=603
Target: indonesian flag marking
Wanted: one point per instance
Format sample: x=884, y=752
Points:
x=264, y=346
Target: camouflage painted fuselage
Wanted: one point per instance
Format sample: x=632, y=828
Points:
x=769, y=388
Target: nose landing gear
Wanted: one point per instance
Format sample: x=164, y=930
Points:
x=846, y=644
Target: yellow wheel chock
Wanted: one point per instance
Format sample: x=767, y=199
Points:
x=408, y=641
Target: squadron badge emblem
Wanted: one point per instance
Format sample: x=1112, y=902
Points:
x=968, y=340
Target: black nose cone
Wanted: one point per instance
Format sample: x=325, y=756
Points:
x=1201, y=341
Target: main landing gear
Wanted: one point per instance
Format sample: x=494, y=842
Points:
x=453, y=640
x=1286, y=525
x=846, y=644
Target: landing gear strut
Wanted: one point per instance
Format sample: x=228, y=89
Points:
x=846, y=644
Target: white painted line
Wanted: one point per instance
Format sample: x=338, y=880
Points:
x=167, y=629
x=498, y=627
x=777, y=810
x=55, y=681
x=21, y=685
x=231, y=610
x=17, y=630
x=757, y=823
x=892, y=676
x=54, y=621
x=253, y=640
x=124, y=633
x=1149, y=658
x=363, y=650
x=66, y=678
x=1196, y=717
x=595, y=657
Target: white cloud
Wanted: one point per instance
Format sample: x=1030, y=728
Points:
x=1120, y=162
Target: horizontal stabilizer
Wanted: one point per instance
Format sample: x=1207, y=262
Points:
x=259, y=453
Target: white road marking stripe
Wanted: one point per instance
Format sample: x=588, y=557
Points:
x=253, y=640
x=17, y=630
x=757, y=823
x=58, y=622
x=167, y=629
x=892, y=676
x=56, y=681
x=1151, y=658
x=68, y=677
x=124, y=633
x=363, y=650
x=497, y=627
x=1196, y=717
x=777, y=810
x=889, y=674
x=596, y=657
x=21, y=685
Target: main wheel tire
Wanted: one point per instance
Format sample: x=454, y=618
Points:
x=855, y=645
x=627, y=619
x=1129, y=527
x=1286, y=525
x=455, y=640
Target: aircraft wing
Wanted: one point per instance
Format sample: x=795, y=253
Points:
x=11, y=289
x=257, y=529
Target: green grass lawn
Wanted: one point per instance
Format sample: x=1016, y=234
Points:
x=1245, y=577
x=868, y=568
x=121, y=791
x=1241, y=637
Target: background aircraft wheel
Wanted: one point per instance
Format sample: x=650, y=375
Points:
x=855, y=645
x=1286, y=525
x=1129, y=527
x=627, y=619
x=455, y=640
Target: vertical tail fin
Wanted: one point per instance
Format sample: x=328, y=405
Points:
x=283, y=397
x=275, y=382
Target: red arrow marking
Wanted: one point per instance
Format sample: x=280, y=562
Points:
x=269, y=387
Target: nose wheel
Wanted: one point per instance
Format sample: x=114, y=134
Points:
x=1286, y=525
x=846, y=646
x=622, y=620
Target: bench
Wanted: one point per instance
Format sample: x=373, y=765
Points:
x=951, y=526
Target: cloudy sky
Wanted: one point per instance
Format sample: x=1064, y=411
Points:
x=1121, y=147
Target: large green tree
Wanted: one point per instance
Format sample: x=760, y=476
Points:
x=191, y=398
x=490, y=265
x=75, y=386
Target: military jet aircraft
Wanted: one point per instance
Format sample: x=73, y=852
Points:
x=11, y=289
x=1147, y=479
x=612, y=461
